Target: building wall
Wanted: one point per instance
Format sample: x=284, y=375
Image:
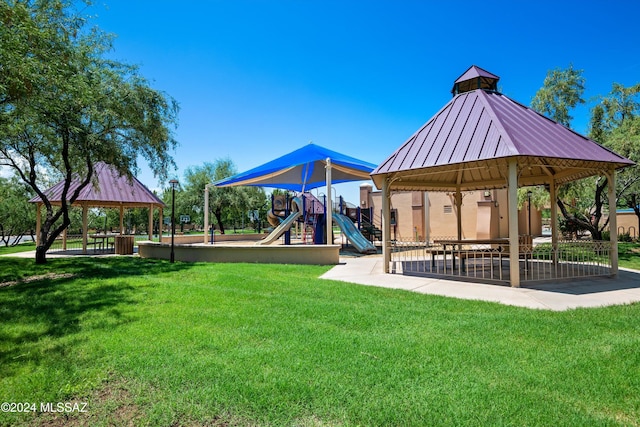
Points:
x=628, y=223
x=483, y=214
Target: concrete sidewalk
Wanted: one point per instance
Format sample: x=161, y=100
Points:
x=558, y=296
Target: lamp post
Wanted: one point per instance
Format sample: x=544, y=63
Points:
x=173, y=183
x=529, y=209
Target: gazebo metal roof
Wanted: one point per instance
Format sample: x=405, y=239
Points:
x=112, y=190
x=482, y=139
x=467, y=144
x=475, y=78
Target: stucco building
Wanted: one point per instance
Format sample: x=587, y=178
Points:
x=424, y=215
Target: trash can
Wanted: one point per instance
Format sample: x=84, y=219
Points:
x=124, y=245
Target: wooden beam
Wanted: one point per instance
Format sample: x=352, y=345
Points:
x=386, y=226
x=613, y=221
x=514, y=244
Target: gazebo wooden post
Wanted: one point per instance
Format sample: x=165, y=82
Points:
x=150, y=228
x=386, y=226
x=554, y=221
x=458, y=198
x=64, y=239
x=427, y=218
x=514, y=245
x=121, y=220
x=160, y=225
x=613, y=221
x=85, y=227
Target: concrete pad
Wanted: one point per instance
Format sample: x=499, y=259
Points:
x=557, y=296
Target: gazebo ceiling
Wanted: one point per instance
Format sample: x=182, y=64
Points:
x=468, y=143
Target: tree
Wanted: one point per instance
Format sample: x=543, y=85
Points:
x=561, y=91
x=224, y=202
x=16, y=213
x=614, y=124
x=625, y=140
x=63, y=106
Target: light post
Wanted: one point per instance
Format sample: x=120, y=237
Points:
x=173, y=183
x=529, y=209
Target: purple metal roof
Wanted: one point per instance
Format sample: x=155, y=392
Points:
x=475, y=78
x=473, y=72
x=111, y=189
x=463, y=143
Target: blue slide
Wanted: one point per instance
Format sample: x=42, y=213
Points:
x=353, y=234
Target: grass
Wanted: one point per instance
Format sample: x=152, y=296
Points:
x=22, y=247
x=152, y=343
x=629, y=255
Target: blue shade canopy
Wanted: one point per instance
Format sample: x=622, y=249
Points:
x=302, y=169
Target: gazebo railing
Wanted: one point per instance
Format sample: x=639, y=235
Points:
x=74, y=242
x=490, y=262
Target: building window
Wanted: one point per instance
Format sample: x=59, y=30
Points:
x=448, y=209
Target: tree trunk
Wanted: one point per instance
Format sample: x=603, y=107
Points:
x=41, y=254
x=218, y=215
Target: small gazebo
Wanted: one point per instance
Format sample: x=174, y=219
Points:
x=482, y=140
x=111, y=190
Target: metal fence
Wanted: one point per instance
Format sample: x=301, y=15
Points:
x=490, y=262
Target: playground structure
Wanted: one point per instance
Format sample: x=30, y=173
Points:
x=304, y=169
x=307, y=213
x=301, y=170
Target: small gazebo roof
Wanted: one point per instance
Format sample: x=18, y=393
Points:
x=468, y=143
x=111, y=190
x=475, y=78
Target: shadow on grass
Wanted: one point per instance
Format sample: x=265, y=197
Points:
x=47, y=309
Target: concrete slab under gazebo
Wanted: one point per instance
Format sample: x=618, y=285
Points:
x=111, y=190
x=483, y=140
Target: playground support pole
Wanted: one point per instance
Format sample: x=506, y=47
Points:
x=386, y=226
x=206, y=212
x=329, y=204
x=287, y=234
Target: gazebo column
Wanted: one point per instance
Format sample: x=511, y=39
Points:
x=514, y=244
x=458, y=198
x=160, y=225
x=427, y=219
x=554, y=220
x=386, y=226
x=150, y=228
x=121, y=220
x=613, y=221
x=85, y=227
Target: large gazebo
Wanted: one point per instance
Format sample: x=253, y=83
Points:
x=483, y=140
x=111, y=190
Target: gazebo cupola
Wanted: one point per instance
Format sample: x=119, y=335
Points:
x=475, y=78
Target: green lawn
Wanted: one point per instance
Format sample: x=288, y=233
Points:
x=147, y=342
x=629, y=255
x=22, y=247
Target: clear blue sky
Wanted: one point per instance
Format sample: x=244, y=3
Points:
x=258, y=79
